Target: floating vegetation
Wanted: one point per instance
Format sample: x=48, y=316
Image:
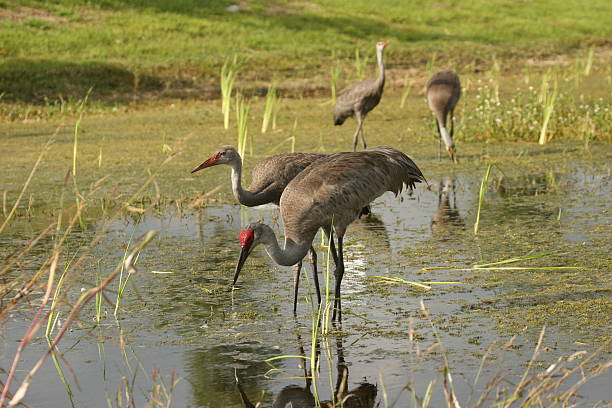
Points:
x=494, y=266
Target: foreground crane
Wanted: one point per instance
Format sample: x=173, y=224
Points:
x=360, y=98
x=330, y=194
x=269, y=178
x=443, y=93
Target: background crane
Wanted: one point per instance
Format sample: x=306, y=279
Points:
x=443, y=93
x=361, y=97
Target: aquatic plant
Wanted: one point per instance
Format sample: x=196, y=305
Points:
x=242, y=116
x=270, y=109
x=228, y=76
x=484, y=183
x=334, y=76
x=548, y=103
x=361, y=65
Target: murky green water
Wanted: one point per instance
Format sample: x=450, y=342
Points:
x=178, y=315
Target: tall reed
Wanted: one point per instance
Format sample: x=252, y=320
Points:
x=483, y=191
x=270, y=109
x=548, y=100
x=77, y=126
x=334, y=77
x=242, y=115
x=228, y=76
x=405, y=95
x=360, y=65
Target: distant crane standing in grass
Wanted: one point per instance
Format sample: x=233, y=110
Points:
x=269, y=178
x=443, y=93
x=330, y=194
x=361, y=97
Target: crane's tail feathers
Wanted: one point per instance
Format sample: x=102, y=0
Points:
x=401, y=170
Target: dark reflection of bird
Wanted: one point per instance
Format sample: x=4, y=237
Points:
x=297, y=396
x=270, y=177
x=443, y=93
x=361, y=97
x=447, y=215
x=370, y=227
x=330, y=193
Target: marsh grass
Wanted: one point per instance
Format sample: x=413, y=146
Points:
x=229, y=71
x=361, y=65
x=242, y=117
x=335, y=72
x=26, y=287
x=270, y=109
x=548, y=99
x=484, y=185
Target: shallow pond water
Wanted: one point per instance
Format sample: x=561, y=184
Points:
x=178, y=315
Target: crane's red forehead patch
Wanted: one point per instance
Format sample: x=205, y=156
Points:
x=246, y=237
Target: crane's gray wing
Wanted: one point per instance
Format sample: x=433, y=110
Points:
x=272, y=174
x=363, y=96
x=340, y=185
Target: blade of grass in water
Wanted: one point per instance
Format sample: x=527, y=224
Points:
x=242, y=114
x=517, y=259
x=269, y=108
x=400, y=280
x=483, y=191
x=228, y=76
x=77, y=127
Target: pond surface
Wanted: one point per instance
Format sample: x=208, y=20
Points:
x=178, y=316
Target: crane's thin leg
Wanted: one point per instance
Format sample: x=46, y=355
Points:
x=363, y=137
x=315, y=275
x=296, y=283
x=339, y=275
x=332, y=248
x=356, y=136
x=452, y=132
x=439, y=140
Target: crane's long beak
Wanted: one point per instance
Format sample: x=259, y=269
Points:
x=245, y=251
x=208, y=163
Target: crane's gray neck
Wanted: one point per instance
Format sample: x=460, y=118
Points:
x=245, y=197
x=381, y=68
x=291, y=254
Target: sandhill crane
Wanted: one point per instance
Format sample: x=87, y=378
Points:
x=329, y=193
x=361, y=97
x=443, y=93
x=269, y=178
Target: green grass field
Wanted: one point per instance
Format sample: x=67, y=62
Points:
x=128, y=50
